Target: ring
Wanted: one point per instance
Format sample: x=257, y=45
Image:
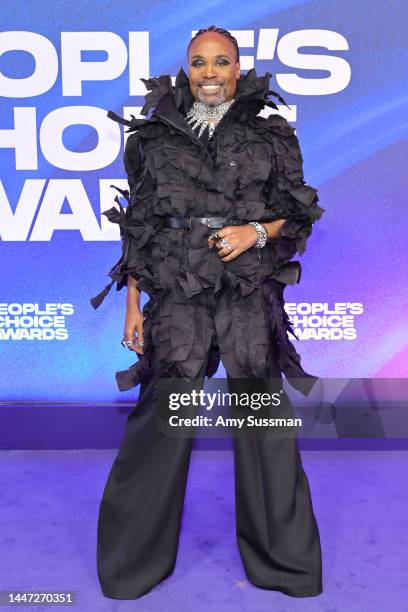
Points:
x=225, y=243
x=215, y=236
x=128, y=343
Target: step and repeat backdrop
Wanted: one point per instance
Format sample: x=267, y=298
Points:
x=340, y=67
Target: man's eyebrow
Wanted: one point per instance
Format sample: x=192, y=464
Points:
x=217, y=56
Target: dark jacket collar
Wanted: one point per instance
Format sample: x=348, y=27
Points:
x=174, y=101
x=251, y=95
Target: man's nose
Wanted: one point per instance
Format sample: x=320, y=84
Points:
x=209, y=73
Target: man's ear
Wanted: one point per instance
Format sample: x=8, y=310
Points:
x=238, y=71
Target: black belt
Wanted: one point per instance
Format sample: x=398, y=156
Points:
x=213, y=222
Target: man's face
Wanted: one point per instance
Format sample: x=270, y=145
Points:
x=213, y=69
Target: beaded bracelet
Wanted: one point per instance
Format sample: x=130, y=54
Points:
x=261, y=233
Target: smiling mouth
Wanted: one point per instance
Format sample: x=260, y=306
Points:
x=211, y=88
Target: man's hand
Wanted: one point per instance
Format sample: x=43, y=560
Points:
x=241, y=238
x=134, y=317
x=134, y=324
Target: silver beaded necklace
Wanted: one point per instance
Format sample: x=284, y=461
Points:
x=200, y=113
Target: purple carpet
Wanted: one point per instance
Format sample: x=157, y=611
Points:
x=48, y=517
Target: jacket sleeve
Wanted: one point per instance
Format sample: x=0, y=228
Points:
x=289, y=197
x=137, y=222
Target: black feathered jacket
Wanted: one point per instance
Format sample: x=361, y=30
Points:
x=250, y=169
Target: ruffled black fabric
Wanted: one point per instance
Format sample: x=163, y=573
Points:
x=251, y=168
x=289, y=196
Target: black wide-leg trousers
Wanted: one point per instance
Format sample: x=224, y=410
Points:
x=141, y=509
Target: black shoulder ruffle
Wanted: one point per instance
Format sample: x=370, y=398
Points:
x=157, y=87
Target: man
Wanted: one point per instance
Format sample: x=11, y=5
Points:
x=217, y=209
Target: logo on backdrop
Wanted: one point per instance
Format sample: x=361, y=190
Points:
x=320, y=321
x=27, y=321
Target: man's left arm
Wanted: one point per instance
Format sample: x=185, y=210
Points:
x=293, y=202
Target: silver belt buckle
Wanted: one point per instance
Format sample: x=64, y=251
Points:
x=215, y=223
